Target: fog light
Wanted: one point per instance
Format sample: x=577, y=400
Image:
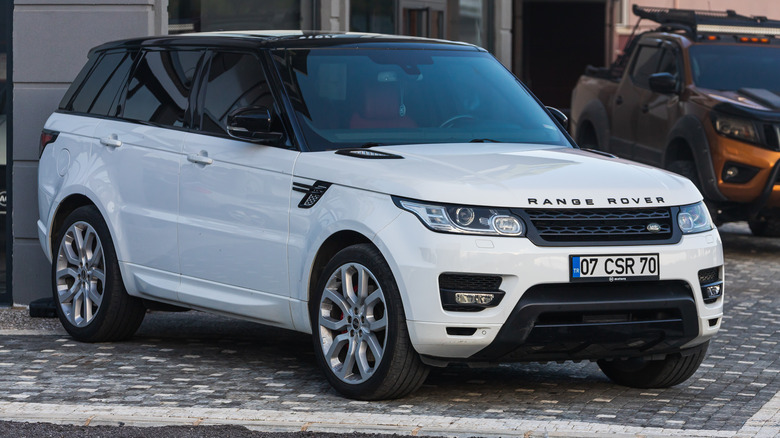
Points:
x=473, y=298
x=711, y=291
x=730, y=173
x=738, y=173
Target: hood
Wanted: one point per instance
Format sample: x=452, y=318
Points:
x=756, y=102
x=502, y=175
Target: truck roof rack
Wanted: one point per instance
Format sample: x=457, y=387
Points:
x=715, y=22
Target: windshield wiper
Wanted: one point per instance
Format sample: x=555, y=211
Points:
x=483, y=140
x=370, y=144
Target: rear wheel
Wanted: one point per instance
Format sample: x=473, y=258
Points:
x=91, y=299
x=643, y=373
x=359, y=329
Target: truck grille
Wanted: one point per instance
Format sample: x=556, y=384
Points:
x=600, y=226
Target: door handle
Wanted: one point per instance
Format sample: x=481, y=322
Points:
x=111, y=141
x=618, y=100
x=200, y=158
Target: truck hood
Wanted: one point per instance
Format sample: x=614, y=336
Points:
x=748, y=98
x=502, y=175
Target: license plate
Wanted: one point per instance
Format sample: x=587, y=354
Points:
x=623, y=267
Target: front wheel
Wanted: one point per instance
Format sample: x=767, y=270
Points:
x=643, y=373
x=359, y=328
x=765, y=227
x=91, y=299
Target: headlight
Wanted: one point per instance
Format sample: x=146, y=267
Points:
x=694, y=218
x=740, y=129
x=462, y=219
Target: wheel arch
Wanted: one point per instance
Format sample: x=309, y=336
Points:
x=67, y=206
x=595, y=116
x=690, y=131
x=332, y=245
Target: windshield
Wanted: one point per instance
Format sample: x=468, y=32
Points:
x=366, y=97
x=730, y=68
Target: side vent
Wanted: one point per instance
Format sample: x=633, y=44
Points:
x=367, y=153
x=313, y=192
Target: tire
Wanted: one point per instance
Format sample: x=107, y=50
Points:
x=89, y=294
x=687, y=169
x=641, y=373
x=766, y=227
x=361, y=341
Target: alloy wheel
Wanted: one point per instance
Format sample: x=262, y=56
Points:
x=81, y=274
x=353, y=323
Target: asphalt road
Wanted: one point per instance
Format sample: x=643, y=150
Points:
x=205, y=371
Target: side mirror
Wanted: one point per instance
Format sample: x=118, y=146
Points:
x=253, y=124
x=559, y=116
x=664, y=83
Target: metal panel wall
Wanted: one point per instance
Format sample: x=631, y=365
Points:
x=51, y=39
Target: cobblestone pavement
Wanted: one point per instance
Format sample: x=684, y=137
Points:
x=192, y=368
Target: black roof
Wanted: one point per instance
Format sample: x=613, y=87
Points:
x=287, y=39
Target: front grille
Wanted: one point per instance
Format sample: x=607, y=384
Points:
x=595, y=226
x=470, y=282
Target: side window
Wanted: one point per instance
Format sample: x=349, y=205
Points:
x=160, y=86
x=646, y=63
x=669, y=63
x=235, y=80
x=99, y=90
x=79, y=81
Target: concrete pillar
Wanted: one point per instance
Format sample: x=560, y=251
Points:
x=503, y=32
x=51, y=39
x=334, y=15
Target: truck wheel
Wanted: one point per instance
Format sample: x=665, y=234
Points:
x=687, y=169
x=91, y=299
x=766, y=227
x=642, y=373
x=359, y=329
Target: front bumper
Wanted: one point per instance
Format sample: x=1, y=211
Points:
x=678, y=316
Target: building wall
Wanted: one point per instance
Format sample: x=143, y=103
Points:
x=50, y=40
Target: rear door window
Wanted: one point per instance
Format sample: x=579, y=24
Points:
x=159, y=88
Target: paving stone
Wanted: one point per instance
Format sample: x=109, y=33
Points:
x=200, y=362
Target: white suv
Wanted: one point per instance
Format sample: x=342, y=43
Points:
x=407, y=201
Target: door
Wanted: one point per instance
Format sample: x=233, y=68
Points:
x=658, y=113
x=632, y=93
x=234, y=200
x=423, y=18
x=141, y=154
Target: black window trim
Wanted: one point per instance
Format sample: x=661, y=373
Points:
x=199, y=90
x=141, y=55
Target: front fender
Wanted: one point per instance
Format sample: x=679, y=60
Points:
x=690, y=130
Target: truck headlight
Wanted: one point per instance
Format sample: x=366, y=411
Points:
x=694, y=218
x=741, y=129
x=463, y=219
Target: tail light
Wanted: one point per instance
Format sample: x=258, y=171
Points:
x=47, y=136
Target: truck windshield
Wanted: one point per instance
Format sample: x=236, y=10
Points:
x=730, y=68
x=348, y=97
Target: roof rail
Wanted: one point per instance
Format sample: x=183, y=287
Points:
x=693, y=21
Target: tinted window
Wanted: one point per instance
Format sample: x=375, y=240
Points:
x=646, y=64
x=103, y=84
x=235, y=80
x=349, y=97
x=77, y=83
x=160, y=86
x=722, y=67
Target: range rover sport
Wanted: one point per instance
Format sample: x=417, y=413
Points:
x=407, y=201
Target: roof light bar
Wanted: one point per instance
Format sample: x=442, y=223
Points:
x=745, y=30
